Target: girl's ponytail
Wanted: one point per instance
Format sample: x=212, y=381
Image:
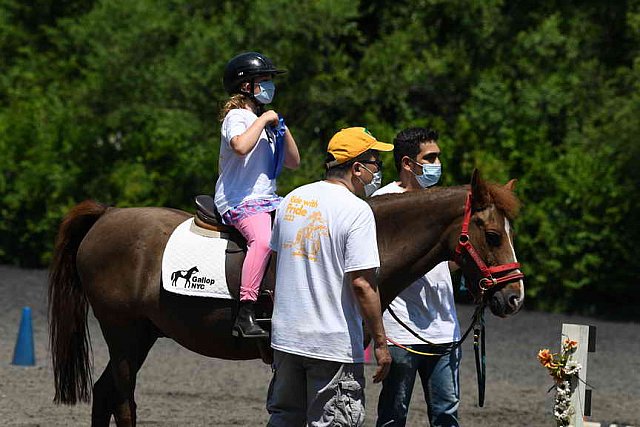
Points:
x=238, y=100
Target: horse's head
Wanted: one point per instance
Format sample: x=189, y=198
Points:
x=485, y=248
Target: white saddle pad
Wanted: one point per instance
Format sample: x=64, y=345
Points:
x=193, y=262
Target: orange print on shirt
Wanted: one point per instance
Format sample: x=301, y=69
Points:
x=307, y=241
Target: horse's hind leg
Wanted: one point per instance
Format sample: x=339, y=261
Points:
x=128, y=348
x=104, y=394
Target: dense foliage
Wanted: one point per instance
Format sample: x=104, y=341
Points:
x=118, y=101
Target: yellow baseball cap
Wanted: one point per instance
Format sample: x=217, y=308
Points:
x=349, y=143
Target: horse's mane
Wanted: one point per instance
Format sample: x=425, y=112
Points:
x=504, y=199
x=430, y=194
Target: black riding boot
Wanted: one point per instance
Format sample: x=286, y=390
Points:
x=246, y=325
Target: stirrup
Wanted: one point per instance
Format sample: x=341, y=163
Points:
x=237, y=332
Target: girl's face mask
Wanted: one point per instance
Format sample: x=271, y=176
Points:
x=267, y=92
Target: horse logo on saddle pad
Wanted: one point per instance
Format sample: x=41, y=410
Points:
x=186, y=275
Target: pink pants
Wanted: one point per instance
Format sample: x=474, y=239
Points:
x=257, y=230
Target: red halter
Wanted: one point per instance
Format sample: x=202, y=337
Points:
x=464, y=244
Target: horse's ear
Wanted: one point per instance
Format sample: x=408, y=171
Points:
x=475, y=176
x=479, y=191
x=511, y=185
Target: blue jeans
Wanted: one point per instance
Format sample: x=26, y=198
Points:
x=440, y=382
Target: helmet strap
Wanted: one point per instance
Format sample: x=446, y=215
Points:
x=252, y=89
x=249, y=94
x=258, y=105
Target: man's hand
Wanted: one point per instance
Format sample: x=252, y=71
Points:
x=383, y=358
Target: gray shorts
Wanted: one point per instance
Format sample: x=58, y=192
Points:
x=313, y=392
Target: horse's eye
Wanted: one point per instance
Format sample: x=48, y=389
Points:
x=493, y=238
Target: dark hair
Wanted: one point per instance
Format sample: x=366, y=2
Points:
x=340, y=171
x=407, y=143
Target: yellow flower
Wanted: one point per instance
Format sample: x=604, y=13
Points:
x=570, y=344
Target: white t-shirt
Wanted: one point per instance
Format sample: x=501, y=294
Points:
x=321, y=232
x=245, y=177
x=427, y=306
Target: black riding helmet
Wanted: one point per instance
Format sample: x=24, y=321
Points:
x=244, y=68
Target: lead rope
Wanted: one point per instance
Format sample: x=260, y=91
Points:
x=450, y=346
x=479, y=350
x=477, y=324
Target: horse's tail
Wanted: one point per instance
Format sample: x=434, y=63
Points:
x=68, y=305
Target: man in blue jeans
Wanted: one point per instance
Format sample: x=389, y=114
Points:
x=427, y=307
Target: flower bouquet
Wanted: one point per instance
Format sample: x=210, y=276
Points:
x=564, y=372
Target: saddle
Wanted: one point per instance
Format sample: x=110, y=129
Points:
x=208, y=218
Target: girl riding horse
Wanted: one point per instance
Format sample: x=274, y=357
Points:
x=248, y=167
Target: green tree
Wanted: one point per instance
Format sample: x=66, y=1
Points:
x=119, y=101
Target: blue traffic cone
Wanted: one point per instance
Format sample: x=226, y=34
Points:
x=24, y=354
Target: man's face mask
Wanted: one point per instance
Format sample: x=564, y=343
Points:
x=267, y=92
x=375, y=183
x=430, y=176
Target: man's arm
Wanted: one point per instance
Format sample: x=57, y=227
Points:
x=366, y=292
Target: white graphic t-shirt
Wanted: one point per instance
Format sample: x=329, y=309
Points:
x=427, y=306
x=321, y=232
x=245, y=177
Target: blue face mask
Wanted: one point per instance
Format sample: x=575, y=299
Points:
x=374, y=184
x=267, y=92
x=430, y=174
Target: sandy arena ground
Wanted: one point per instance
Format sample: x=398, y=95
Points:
x=179, y=388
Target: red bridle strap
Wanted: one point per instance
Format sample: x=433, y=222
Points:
x=464, y=244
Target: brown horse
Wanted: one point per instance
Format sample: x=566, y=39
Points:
x=111, y=258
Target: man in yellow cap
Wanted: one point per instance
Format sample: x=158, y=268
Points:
x=324, y=237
